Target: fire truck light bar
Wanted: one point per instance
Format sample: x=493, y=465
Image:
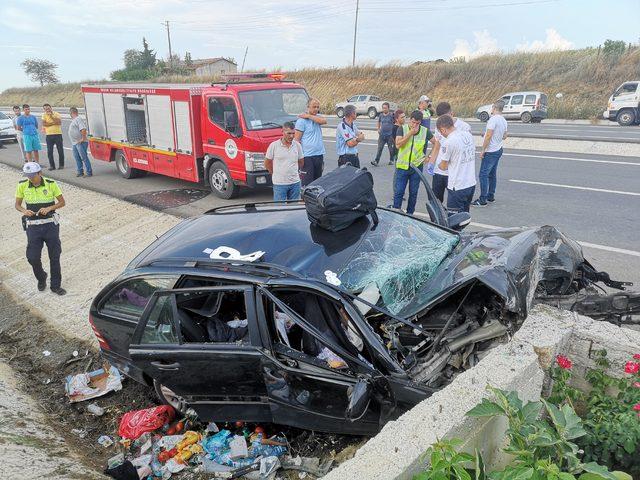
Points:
x=277, y=77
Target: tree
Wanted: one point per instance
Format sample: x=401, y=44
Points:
x=148, y=56
x=132, y=59
x=187, y=59
x=42, y=71
x=614, y=47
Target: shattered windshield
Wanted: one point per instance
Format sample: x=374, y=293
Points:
x=399, y=257
x=263, y=109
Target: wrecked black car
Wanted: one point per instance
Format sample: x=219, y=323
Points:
x=252, y=313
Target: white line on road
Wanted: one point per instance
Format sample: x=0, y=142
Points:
x=575, y=187
x=590, y=160
x=596, y=246
x=66, y=148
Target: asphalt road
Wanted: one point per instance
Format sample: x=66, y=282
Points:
x=594, y=199
x=600, y=133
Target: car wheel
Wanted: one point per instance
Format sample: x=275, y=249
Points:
x=123, y=166
x=372, y=112
x=526, y=117
x=340, y=112
x=168, y=397
x=220, y=181
x=626, y=118
x=484, y=117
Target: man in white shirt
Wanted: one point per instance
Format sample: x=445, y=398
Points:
x=459, y=160
x=283, y=159
x=16, y=114
x=494, y=137
x=440, y=177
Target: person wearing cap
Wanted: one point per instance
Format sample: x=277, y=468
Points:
x=424, y=105
x=42, y=197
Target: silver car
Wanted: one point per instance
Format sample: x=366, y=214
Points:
x=369, y=105
x=7, y=130
x=530, y=107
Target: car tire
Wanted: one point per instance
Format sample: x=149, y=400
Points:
x=166, y=396
x=526, y=117
x=340, y=112
x=484, y=117
x=372, y=112
x=626, y=118
x=220, y=181
x=122, y=164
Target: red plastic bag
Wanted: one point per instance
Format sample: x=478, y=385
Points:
x=135, y=423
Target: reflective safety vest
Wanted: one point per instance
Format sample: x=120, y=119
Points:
x=412, y=152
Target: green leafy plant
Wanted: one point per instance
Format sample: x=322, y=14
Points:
x=542, y=448
x=562, y=391
x=611, y=419
x=447, y=463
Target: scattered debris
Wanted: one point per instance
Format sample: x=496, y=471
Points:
x=96, y=410
x=46, y=353
x=105, y=440
x=85, y=386
x=134, y=424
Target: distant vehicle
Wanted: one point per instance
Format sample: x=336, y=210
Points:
x=7, y=131
x=530, y=107
x=624, y=104
x=215, y=135
x=369, y=105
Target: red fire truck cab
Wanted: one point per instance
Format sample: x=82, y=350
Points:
x=215, y=134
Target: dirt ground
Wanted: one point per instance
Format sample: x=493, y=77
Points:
x=39, y=380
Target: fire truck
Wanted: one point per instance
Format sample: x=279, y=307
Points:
x=216, y=135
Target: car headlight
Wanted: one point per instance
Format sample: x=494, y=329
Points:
x=254, y=161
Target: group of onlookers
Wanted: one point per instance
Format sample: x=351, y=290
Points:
x=27, y=133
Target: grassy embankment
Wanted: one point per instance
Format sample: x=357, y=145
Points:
x=586, y=78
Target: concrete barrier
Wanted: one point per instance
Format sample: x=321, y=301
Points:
x=397, y=451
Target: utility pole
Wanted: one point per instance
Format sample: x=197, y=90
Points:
x=166, y=24
x=244, y=58
x=355, y=33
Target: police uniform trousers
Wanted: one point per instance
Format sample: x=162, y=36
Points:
x=37, y=236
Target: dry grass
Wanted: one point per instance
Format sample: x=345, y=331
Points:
x=586, y=78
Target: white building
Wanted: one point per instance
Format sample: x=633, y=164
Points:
x=214, y=66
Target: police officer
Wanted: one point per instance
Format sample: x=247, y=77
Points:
x=42, y=197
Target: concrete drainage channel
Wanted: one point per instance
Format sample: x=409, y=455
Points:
x=100, y=234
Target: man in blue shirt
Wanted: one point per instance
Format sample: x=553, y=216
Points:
x=309, y=134
x=385, y=134
x=348, y=136
x=28, y=125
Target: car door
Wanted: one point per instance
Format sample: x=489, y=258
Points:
x=628, y=95
x=220, y=380
x=505, y=111
x=515, y=106
x=305, y=392
x=361, y=104
x=221, y=128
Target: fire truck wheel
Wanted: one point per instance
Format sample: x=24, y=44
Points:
x=123, y=166
x=220, y=181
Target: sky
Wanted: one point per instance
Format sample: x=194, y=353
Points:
x=87, y=38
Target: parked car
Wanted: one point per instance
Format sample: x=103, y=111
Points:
x=530, y=107
x=251, y=313
x=369, y=105
x=624, y=104
x=7, y=130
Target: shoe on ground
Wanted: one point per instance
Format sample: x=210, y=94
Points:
x=59, y=291
x=478, y=203
x=42, y=284
x=60, y=167
x=52, y=168
x=491, y=200
x=89, y=175
x=392, y=162
x=374, y=163
x=79, y=174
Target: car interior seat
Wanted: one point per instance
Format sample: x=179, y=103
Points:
x=192, y=331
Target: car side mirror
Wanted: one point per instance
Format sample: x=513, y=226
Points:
x=359, y=398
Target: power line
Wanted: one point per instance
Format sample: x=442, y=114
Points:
x=355, y=34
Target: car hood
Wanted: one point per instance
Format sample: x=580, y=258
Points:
x=7, y=122
x=484, y=108
x=510, y=262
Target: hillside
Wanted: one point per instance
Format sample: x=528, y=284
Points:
x=586, y=78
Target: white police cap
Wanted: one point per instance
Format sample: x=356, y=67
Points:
x=31, y=168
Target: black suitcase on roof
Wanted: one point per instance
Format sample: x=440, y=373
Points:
x=337, y=199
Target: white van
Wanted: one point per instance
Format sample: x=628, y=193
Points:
x=624, y=104
x=526, y=106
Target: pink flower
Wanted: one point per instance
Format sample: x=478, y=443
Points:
x=563, y=362
x=636, y=407
x=632, y=367
x=636, y=384
x=636, y=356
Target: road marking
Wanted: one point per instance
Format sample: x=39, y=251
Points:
x=575, y=187
x=595, y=246
x=590, y=160
x=66, y=148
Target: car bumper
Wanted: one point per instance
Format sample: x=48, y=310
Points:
x=7, y=135
x=610, y=115
x=258, y=179
x=539, y=113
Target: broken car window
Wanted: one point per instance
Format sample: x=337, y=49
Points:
x=131, y=297
x=399, y=257
x=159, y=328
